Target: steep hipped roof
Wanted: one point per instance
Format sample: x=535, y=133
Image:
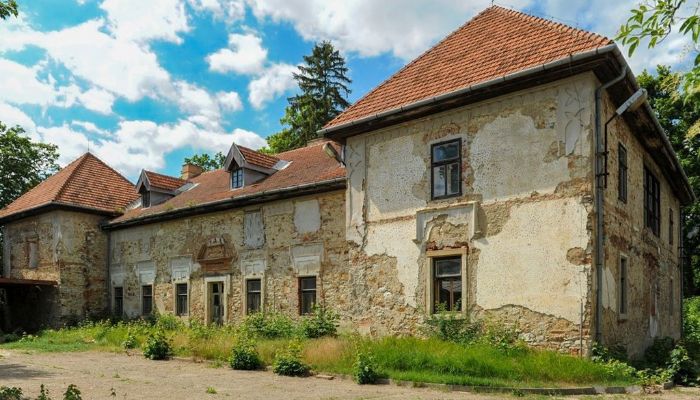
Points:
x=164, y=182
x=86, y=183
x=308, y=166
x=495, y=43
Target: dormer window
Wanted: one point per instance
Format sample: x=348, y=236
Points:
x=237, y=178
x=145, y=199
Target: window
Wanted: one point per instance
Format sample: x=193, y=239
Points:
x=622, y=173
x=671, y=297
x=237, y=178
x=623, y=286
x=145, y=199
x=307, y=295
x=253, y=295
x=146, y=299
x=652, y=202
x=119, y=301
x=181, y=306
x=670, y=226
x=447, y=281
x=446, y=165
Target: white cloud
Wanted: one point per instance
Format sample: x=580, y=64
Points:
x=11, y=116
x=90, y=127
x=140, y=20
x=20, y=85
x=71, y=144
x=274, y=81
x=230, y=101
x=98, y=100
x=248, y=139
x=245, y=55
x=229, y=11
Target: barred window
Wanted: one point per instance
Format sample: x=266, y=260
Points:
x=652, y=202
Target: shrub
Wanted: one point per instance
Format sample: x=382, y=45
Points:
x=681, y=367
x=691, y=327
x=322, y=322
x=600, y=353
x=365, y=369
x=130, y=342
x=43, y=393
x=659, y=353
x=288, y=362
x=268, y=326
x=10, y=393
x=244, y=356
x=157, y=346
x=452, y=327
x=168, y=322
x=501, y=336
x=72, y=393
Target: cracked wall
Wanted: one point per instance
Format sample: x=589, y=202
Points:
x=524, y=215
x=276, y=242
x=654, y=279
x=66, y=247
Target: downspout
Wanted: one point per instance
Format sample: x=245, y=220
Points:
x=108, y=281
x=599, y=199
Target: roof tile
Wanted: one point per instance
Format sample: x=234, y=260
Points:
x=165, y=182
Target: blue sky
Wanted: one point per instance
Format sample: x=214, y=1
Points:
x=145, y=83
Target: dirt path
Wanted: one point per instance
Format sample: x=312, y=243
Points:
x=133, y=377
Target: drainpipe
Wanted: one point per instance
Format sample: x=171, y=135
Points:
x=108, y=281
x=599, y=199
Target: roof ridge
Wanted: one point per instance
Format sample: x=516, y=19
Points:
x=161, y=174
x=80, y=160
x=123, y=178
x=554, y=24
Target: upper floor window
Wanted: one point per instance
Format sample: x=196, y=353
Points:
x=145, y=199
x=652, y=202
x=446, y=169
x=670, y=226
x=237, y=178
x=622, y=173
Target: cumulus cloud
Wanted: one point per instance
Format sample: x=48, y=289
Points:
x=97, y=100
x=245, y=55
x=229, y=11
x=274, y=81
x=140, y=21
x=20, y=84
x=230, y=101
x=11, y=116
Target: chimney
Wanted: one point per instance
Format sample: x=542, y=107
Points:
x=190, y=171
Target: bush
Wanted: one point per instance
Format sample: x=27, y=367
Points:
x=289, y=363
x=691, y=327
x=322, y=322
x=10, y=393
x=244, y=356
x=43, y=393
x=365, y=369
x=72, y=393
x=452, y=327
x=157, y=346
x=602, y=354
x=130, y=342
x=658, y=354
x=681, y=367
x=268, y=326
x=168, y=322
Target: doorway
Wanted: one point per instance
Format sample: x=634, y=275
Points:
x=216, y=302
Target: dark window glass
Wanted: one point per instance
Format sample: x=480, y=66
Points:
x=237, y=178
x=670, y=226
x=119, y=301
x=307, y=295
x=146, y=299
x=253, y=295
x=145, y=199
x=623, y=285
x=652, y=202
x=622, y=173
x=671, y=298
x=446, y=166
x=181, y=293
x=447, y=281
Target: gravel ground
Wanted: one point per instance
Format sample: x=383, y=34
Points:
x=99, y=374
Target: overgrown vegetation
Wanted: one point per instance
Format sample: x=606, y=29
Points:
x=288, y=362
x=244, y=355
x=14, y=393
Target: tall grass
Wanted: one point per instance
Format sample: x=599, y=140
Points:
x=406, y=358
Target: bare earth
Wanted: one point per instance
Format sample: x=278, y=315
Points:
x=97, y=374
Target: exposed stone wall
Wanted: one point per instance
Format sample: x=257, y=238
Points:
x=276, y=242
x=69, y=248
x=525, y=214
x=653, y=288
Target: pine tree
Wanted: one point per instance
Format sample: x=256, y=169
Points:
x=324, y=87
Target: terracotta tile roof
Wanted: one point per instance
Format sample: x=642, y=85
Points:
x=307, y=165
x=495, y=43
x=164, y=182
x=86, y=182
x=258, y=158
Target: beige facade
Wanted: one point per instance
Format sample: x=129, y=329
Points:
x=215, y=255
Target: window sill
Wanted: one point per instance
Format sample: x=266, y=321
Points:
x=622, y=318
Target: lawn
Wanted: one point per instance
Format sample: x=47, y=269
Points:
x=405, y=358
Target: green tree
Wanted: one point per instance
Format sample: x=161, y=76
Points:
x=207, y=162
x=654, y=21
x=23, y=164
x=8, y=8
x=676, y=116
x=324, y=87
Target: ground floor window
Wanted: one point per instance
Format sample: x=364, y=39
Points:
x=447, y=283
x=253, y=295
x=182, y=307
x=146, y=299
x=307, y=294
x=119, y=301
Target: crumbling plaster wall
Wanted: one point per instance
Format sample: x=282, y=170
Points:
x=67, y=247
x=654, y=279
x=277, y=242
x=525, y=213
